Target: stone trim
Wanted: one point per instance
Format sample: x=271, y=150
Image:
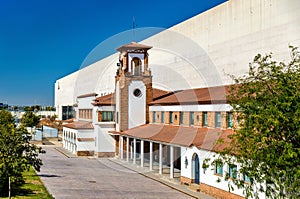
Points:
x=218, y=193
x=85, y=153
x=185, y=181
x=106, y=154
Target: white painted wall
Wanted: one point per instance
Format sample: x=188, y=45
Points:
x=201, y=50
x=86, y=145
x=82, y=145
x=207, y=176
x=64, y=92
x=105, y=142
x=86, y=102
x=136, y=105
x=69, y=143
x=223, y=40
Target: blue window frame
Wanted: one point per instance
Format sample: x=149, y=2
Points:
x=107, y=116
x=246, y=178
x=204, y=119
x=171, y=117
x=219, y=168
x=218, y=120
x=162, y=117
x=192, y=118
x=229, y=120
x=232, y=171
x=153, y=117
x=181, y=117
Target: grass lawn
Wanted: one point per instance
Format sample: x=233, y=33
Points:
x=33, y=187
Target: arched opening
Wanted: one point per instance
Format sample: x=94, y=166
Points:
x=136, y=65
x=195, y=169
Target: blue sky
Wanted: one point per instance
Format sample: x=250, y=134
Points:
x=44, y=40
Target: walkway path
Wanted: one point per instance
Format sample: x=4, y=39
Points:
x=82, y=177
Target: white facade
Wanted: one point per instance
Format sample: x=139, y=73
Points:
x=74, y=139
x=208, y=175
x=136, y=104
x=104, y=141
x=200, y=51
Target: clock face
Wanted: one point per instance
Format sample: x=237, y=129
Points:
x=137, y=92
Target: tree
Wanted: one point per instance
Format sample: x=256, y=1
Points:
x=267, y=142
x=16, y=153
x=6, y=118
x=29, y=119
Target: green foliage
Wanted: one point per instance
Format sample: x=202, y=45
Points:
x=33, y=187
x=16, y=153
x=6, y=118
x=29, y=119
x=267, y=142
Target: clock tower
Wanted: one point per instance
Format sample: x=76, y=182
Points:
x=133, y=86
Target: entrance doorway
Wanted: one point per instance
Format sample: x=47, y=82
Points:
x=196, y=169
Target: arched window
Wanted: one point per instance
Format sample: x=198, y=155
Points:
x=136, y=65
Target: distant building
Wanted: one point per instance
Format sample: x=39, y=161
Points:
x=3, y=106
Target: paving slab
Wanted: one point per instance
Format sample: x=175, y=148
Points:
x=83, y=177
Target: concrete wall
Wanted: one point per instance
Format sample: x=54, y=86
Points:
x=223, y=40
x=201, y=50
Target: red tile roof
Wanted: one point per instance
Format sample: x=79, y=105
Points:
x=158, y=93
x=106, y=100
x=87, y=95
x=79, y=125
x=68, y=120
x=85, y=139
x=202, y=138
x=208, y=95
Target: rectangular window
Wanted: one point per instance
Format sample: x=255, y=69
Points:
x=232, y=171
x=171, y=117
x=67, y=112
x=192, y=118
x=153, y=117
x=229, y=120
x=246, y=178
x=162, y=117
x=218, y=120
x=219, y=168
x=204, y=119
x=181, y=117
x=107, y=116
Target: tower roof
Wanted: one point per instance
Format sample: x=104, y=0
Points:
x=133, y=46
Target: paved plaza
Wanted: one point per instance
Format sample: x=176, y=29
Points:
x=83, y=177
